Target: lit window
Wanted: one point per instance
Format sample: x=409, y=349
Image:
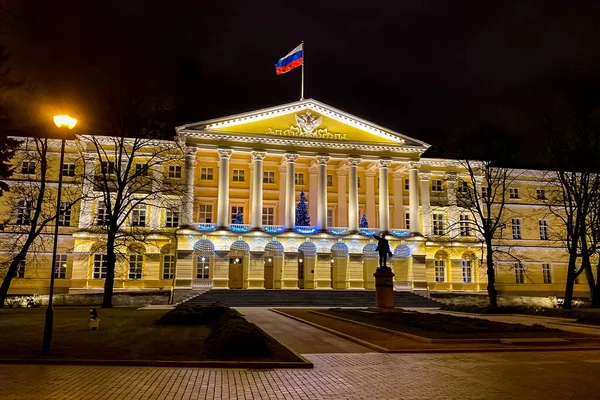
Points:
x=135, y=266
x=516, y=228
x=202, y=267
x=28, y=167
x=175, y=171
x=108, y=167
x=138, y=215
x=60, y=266
x=268, y=217
x=68, y=169
x=234, y=213
x=172, y=219
x=329, y=180
x=544, y=230
x=439, y=227
x=99, y=266
x=102, y=216
x=519, y=273
x=20, y=270
x=436, y=185
x=64, y=218
x=513, y=193
x=205, y=213
x=464, y=225
x=24, y=208
x=299, y=178
x=168, y=267
x=540, y=194
x=238, y=175
x=440, y=270
x=141, y=169
x=467, y=271
x=268, y=177
x=206, y=174
x=547, y=273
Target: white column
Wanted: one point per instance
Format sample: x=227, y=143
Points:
x=452, y=206
x=398, y=198
x=313, y=190
x=425, y=204
x=413, y=196
x=223, y=193
x=322, y=210
x=189, y=172
x=290, y=191
x=370, y=197
x=384, y=196
x=353, y=217
x=342, y=203
x=257, y=188
x=85, y=213
x=281, y=202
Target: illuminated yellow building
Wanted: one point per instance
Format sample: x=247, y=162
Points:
x=256, y=164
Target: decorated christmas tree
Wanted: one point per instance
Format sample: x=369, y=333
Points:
x=239, y=217
x=302, y=218
x=363, y=222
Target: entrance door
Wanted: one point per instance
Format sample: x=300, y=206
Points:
x=235, y=273
x=268, y=272
x=301, y=269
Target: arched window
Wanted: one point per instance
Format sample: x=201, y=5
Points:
x=440, y=266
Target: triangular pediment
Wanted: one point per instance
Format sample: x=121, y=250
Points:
x=305, y=119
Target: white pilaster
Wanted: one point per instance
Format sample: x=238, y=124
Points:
x=189, y=172
x=452, y=206
x=290, y=191
x=85, y=213
x=322, y=210
x=425, y=204
x=353, y=217
x=342, y=202
x=223, y=191
x=384, y=196
x=257, y=188
x=413, y=196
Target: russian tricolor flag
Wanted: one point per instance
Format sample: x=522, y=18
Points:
x=292, y=60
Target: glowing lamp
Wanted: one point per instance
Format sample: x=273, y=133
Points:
x=64, y=121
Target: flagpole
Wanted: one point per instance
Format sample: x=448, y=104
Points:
x=303, y=61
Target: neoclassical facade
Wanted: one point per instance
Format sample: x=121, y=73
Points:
x=254, y=166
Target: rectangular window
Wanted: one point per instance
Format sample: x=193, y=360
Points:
x=99, y=266
x=485, y=192
x=141, y=169
x=172, y=219
x=299, y=178
x=205, y=213
x=436, y=185
x=206, y=174
x=138, y=215
x=465, y=225
x=516, y=228
x=406, y=220
x=467, y=271
x=60, y=266
x=268, y=217
x=24, y=212
x=64, y=218
x=330, y=221
x=102, y=217
x=519, y=273
x=238, y=175
x=135, y=266
x=462, y=187
x=175, y=171
x=358, y=181
x=234, y=212
x=439, y=227
x=406, y=184
x=268, y=177
x=540, y=194
x=440, y=270
x=329, y=180
x=202, y=268
x=28, y=167
x=547, y=273
x=544, y=230
x=21, y=270
x=108, y=167
x=68, y=169
x=513, y=193
x=168, y=267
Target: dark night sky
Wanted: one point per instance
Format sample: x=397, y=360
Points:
x=425, y=68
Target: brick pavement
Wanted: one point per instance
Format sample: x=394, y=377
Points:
x=548, y=376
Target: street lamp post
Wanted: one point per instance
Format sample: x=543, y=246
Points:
x=69, y=122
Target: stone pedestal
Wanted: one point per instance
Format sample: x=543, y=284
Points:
x=384, y=288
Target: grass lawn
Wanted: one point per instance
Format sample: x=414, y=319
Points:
x=440, y=326
x=125, y=334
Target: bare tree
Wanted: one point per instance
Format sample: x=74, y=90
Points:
x=31, y=206
x=136, y=171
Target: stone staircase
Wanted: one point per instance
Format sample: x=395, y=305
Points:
x=305, y=298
